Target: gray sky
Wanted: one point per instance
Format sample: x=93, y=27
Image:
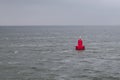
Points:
x=59, y=12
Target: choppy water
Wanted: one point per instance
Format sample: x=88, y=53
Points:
x=47, y=53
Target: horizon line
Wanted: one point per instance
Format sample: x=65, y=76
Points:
x=58, y=25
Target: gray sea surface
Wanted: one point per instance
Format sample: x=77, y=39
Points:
x=48, y=53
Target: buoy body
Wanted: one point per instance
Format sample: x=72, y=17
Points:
x=80, y=45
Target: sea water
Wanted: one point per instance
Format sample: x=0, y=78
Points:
x=48, y=53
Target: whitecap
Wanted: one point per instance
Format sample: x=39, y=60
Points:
x=13, y=62
x=65, y=51
x=16, y=52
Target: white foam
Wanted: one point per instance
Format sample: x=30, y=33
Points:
x=65, y=51
x=13, y=62
x=16, y=52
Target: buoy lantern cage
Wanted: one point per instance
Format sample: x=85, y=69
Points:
x=80, y=45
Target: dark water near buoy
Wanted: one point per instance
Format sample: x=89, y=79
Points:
x=48, y=53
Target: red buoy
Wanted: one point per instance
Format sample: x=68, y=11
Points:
x=80, y=45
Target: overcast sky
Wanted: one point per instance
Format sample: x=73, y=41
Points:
x=59, y=12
